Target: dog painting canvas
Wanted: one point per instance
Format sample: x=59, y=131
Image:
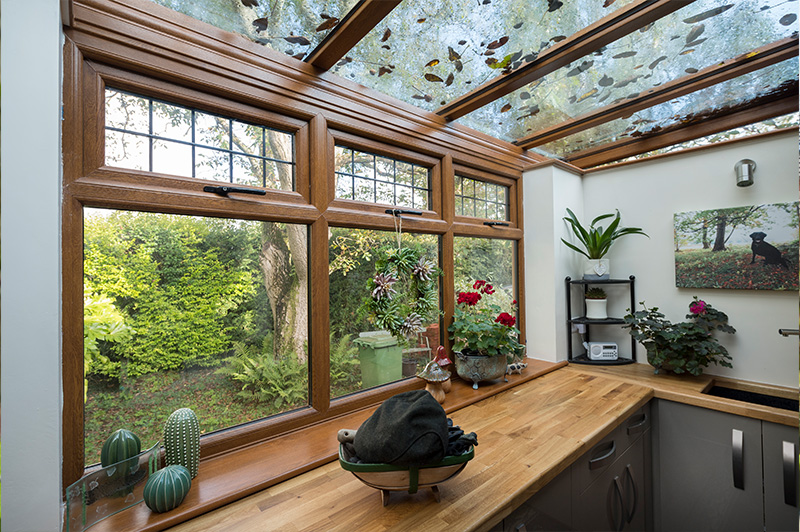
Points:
x=751, y=248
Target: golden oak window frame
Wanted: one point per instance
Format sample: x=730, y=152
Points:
x=89, y=182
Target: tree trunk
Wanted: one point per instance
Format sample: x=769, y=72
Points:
x=719, y=241
x=284, y=265
x=706, y=243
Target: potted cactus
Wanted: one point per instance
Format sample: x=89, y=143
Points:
x=596, y=300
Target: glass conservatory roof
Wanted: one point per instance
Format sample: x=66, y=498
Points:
x=544, y=74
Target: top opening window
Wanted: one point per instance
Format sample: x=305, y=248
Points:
x=363, y=176
x=150, y=135
x=481, y=199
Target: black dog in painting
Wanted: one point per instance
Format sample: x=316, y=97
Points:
x=771, y=254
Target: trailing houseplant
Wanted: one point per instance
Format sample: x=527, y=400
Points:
x=681, y=347
x=596, y=240
x=402, y=312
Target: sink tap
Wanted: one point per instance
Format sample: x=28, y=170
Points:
x=788, y=332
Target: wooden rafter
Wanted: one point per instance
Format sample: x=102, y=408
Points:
x=355, y=26
x=614, y=151
x=620, y=23
x=717, y=73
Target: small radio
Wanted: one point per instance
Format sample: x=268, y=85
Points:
x=602, y=350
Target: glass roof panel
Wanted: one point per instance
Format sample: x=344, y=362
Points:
x=773, y=124
x=719, y=99
x=428, y=52
x=686, y=41
x=294, y=27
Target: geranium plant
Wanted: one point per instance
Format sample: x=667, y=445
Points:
x=681, y=347
x=480, y=326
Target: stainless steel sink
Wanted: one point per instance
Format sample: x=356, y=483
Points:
x=753, y=394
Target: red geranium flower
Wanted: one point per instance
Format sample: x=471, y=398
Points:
x=477, y=284
x=488, y=289
x=470, y=298
x=506, y=319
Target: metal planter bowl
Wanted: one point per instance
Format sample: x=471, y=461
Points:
x=478, y=368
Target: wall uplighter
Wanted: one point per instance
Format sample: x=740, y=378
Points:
x=744, y=172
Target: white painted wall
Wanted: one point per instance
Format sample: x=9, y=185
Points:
x=31, y=288
x=649, y=193
x=547, y=192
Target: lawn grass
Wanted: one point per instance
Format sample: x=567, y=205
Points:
x=731, y=268
x=144, y=404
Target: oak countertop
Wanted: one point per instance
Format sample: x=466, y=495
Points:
x=527, y=435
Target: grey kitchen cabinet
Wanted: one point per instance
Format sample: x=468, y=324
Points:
x=780, y=477
x=708, y=471
x=605, y=489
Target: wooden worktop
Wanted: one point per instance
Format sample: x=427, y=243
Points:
x=526, y=436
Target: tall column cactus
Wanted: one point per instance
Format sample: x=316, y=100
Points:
x=182, y=439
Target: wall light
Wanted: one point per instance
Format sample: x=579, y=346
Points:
x=744, y=172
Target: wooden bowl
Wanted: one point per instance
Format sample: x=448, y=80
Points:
x=388, y=477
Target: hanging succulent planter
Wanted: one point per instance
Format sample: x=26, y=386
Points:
x=182, y=440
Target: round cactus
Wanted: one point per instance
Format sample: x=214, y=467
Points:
x=121, y=445
x=182, y=440
x=166, y=488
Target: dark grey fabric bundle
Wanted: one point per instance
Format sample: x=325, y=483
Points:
x=408, y=429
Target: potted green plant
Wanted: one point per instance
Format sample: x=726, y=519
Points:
x=681, y=347
x=484, y=336
x=596, y=242
x=596, y=300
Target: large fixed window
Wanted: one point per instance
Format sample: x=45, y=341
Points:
x=190, y=311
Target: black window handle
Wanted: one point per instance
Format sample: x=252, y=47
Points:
x=225, y=190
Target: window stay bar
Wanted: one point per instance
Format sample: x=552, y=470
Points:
x=493, y=224
x=398, y=212
x=224, y=190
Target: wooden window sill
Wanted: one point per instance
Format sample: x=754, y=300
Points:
x=235, y=475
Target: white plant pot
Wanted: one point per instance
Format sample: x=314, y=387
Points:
x=596, y=270
x=596, y=309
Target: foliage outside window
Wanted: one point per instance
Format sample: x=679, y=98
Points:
x=356, y=255
x=147, y=134
x=481, y=199
x=184, y=311
x=363, y=176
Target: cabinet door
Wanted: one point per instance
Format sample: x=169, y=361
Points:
x=780, y=477
x=615, y=500
x=708, y=470
x=548, y=510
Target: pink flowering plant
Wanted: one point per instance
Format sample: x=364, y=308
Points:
x=681, y=347
x=481, y=326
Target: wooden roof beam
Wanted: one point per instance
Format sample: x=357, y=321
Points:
x=717, y=73
x=614, y=151
x=359, y=21
x=590, y=39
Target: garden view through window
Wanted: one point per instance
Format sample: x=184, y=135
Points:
x=187, y=311
x=363, y=176
x=487, y=259
x=381, y=332
x=154, y=136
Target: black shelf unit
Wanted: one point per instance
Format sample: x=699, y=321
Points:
x=590, y=322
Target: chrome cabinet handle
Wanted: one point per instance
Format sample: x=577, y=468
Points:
x=618, y=490
x=737, y=437
x=600, y=461
x=630, y=515
x=789, y=474
x=638, y=427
